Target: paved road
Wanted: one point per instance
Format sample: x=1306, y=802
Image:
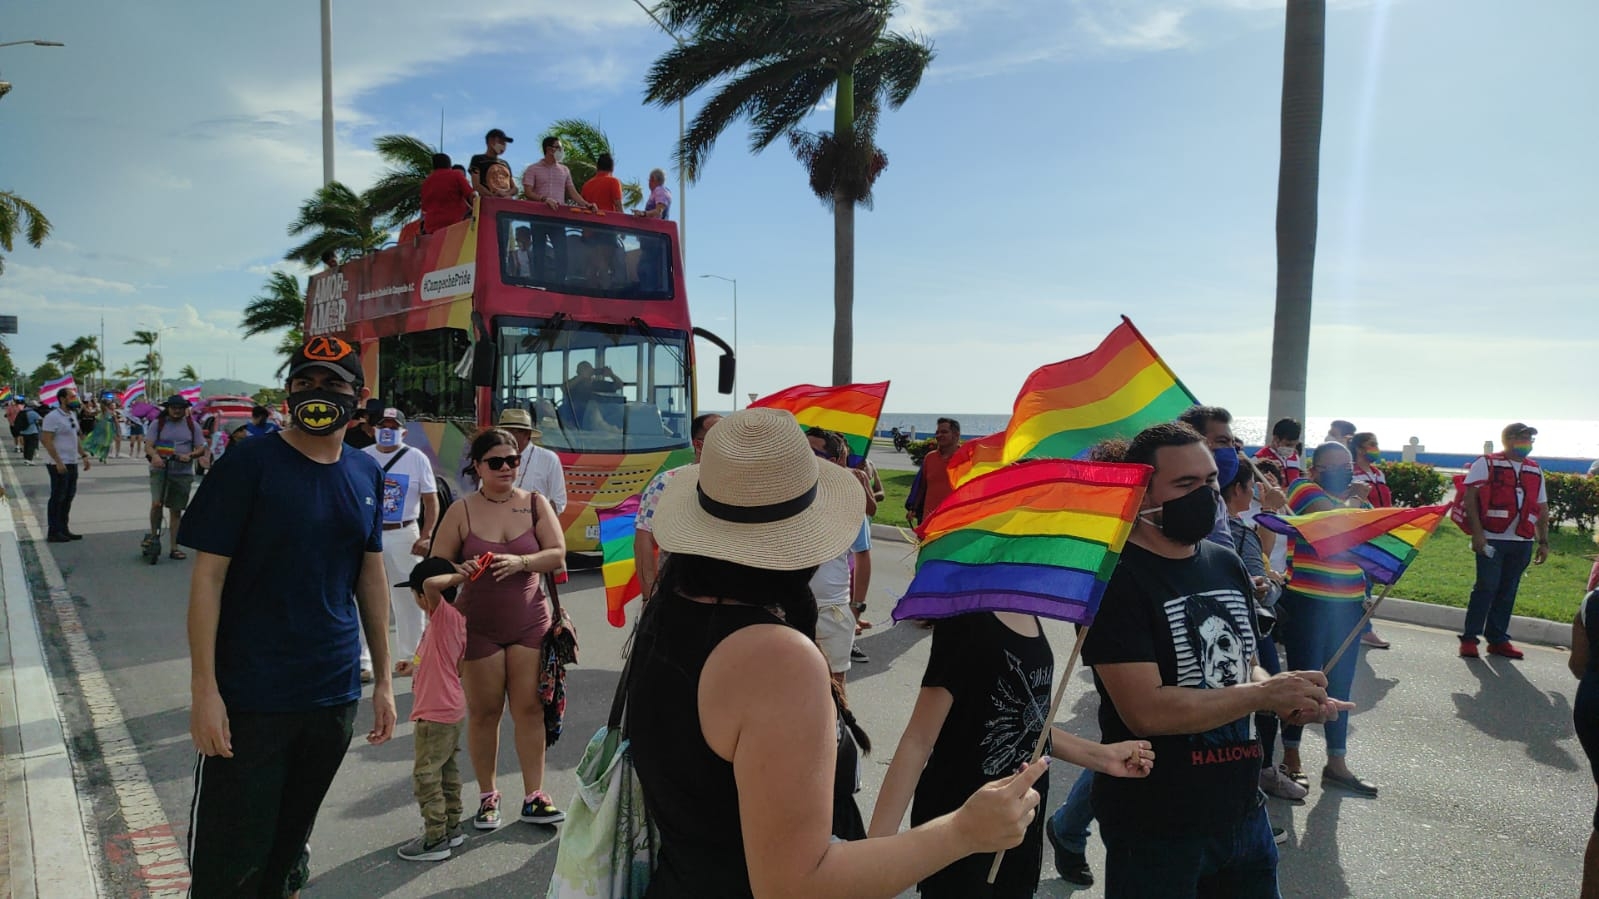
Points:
x=1485, y=790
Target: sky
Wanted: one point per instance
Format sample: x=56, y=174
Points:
x=1064, y=162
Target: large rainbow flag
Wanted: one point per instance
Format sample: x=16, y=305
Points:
x=1064, y=408
x=850, y=409
x=1383, y=542
x=1039, y=537
x=618, y=570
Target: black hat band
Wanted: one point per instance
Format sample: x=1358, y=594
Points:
x=757, y=514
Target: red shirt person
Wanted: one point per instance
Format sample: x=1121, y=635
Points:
x=446, y=196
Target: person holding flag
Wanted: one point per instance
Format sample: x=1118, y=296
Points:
x=175, y=443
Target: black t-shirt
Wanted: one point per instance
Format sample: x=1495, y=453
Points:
x=480, y=163
x=1192, y=618
x=296, y=533
x=1000, y=681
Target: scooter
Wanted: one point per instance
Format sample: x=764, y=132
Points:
x=152, y=541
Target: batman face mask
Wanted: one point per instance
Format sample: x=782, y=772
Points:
x=320, y=411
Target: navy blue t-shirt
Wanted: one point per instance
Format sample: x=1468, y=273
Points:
x=296, y=533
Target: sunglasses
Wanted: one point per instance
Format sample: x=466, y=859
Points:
x=498, y=462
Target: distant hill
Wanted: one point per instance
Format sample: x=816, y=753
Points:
x=228, y=386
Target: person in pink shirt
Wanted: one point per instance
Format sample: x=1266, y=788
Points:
x=438, y=710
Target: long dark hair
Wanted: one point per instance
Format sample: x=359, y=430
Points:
x=785, y=593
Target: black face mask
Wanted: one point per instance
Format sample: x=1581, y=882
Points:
x=1189, y=518
x=319, y=412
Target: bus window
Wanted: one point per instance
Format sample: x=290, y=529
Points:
x=595, y=388
x=598, y=258
x=417, y=375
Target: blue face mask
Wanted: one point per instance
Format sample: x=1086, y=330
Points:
x=1226, y=466
x=1336, y=480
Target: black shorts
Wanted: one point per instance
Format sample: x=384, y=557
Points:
x=251, y=818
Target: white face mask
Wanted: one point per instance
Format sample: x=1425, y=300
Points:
x=560, y=155
x=388, y=437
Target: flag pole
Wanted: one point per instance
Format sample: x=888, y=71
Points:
x=1364, y=620
x=1049, y=722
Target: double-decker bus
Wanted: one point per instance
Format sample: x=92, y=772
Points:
x=580, y=319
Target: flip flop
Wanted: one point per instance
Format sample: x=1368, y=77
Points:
x=178, y=554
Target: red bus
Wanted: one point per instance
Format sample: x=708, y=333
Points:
x=580, y=319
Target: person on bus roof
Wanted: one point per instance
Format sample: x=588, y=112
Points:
x=497, y=181
x=604, y=190
x=446, y=196
x=494, y=144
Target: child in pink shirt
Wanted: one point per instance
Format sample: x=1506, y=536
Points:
x=438, y=710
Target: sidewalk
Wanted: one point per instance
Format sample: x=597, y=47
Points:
x=43, y=850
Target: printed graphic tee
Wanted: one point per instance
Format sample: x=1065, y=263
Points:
x=1192, y=618
x=404, y=483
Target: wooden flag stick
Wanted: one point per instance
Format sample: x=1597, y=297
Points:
x=1355, y=634
x=1049, y=722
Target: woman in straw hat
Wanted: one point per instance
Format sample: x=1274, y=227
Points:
x=730, y=710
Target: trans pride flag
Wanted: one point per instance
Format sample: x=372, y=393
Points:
x=134, y=391
x=850, y=409
x=48, y=392
x=616, y=545
x=192, y=394
x=1383, y=542
x=1039, y=537
x=1064, y=408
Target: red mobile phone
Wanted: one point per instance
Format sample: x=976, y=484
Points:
x=560, y=575
x=483, y=563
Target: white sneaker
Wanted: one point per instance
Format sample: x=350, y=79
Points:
x=1281, y=785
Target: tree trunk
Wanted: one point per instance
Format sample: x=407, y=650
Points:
x=844, y=238
x=1298, y=176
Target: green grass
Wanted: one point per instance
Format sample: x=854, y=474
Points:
x=1442, y=574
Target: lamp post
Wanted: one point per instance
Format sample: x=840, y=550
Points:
x=682, y=186
x=734, y=282
x=327, y=92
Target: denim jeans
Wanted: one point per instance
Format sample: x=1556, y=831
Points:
x=1266, y=722
x=1070, y=822
x=63, y=487
x=1313, y=631
x=1493, y=597
x=1229, y=862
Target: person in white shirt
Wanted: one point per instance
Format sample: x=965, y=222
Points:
x=59, y=434
x=410, y=510
x=540, y=469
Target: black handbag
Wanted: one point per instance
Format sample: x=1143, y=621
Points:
x=559, y=651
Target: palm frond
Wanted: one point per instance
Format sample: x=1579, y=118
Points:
x=280, y=305
x=892, y=70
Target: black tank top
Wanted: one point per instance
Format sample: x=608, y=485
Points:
x=688, y=789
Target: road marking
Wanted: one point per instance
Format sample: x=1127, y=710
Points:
x=162, y=868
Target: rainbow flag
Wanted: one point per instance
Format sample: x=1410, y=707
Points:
x=616, y=545
x=850, y=409
x=1064, y=408
x=5, y=394
x=1383, y=542
x=1039, y=537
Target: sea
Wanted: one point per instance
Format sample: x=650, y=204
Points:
x=1557, y=438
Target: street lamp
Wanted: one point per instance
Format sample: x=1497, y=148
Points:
x=327, y=92
x=734, y=282
x=682, y=186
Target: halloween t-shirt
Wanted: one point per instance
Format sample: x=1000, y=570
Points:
x=1192, y=618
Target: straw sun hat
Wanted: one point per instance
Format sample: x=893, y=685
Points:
x=760, y=497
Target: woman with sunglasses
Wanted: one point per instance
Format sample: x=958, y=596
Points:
x=506, y=617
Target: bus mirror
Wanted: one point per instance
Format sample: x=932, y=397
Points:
x=485, y=358
x=724, y=373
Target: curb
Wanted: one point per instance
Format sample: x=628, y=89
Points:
x=1449, y=618
x=49, y=854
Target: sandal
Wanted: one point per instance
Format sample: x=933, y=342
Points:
x=178, y=554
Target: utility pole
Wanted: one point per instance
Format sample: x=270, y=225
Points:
x=327, y=92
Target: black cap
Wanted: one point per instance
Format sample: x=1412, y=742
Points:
x=331, y=353
x=497, y=134
x=432, y=566
x=176, y=401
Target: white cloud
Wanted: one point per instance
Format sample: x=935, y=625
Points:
x=31, y=279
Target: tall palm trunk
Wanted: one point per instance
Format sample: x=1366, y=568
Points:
x=844, y=237
x=1298, y=176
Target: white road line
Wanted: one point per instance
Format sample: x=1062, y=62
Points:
x=161, y=863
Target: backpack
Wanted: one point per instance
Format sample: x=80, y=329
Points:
x=194, y=433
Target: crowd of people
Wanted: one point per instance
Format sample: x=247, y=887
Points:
x=742, y=736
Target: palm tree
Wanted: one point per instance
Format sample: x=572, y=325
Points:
x=773, y=63
x=49, y=371
x=149, y=366
x=188, y=373
x=18, y=215
x=396, y=198
x=81, y=358
x=338, y=221
x=1298, y=176
x=281, y=305
x=583, y=143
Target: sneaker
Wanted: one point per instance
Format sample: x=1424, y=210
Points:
x=1468, y=649
x=539, y=809
x=420, y=850
x=1278, y=784
x=488, y=812
x=1279, y=835
x=857, y=654
x=1297, y=777
x=1071, y=866
x=456, y=836
x=1506, y=649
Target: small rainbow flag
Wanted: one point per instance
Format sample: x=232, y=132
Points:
x=850, y=409
x=5, y=394
x=616, y=545
x=1383, y=542
x=1064, y=408
x=1039, y=537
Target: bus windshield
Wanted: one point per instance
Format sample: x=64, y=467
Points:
x=600, y=257
x=595, y=388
